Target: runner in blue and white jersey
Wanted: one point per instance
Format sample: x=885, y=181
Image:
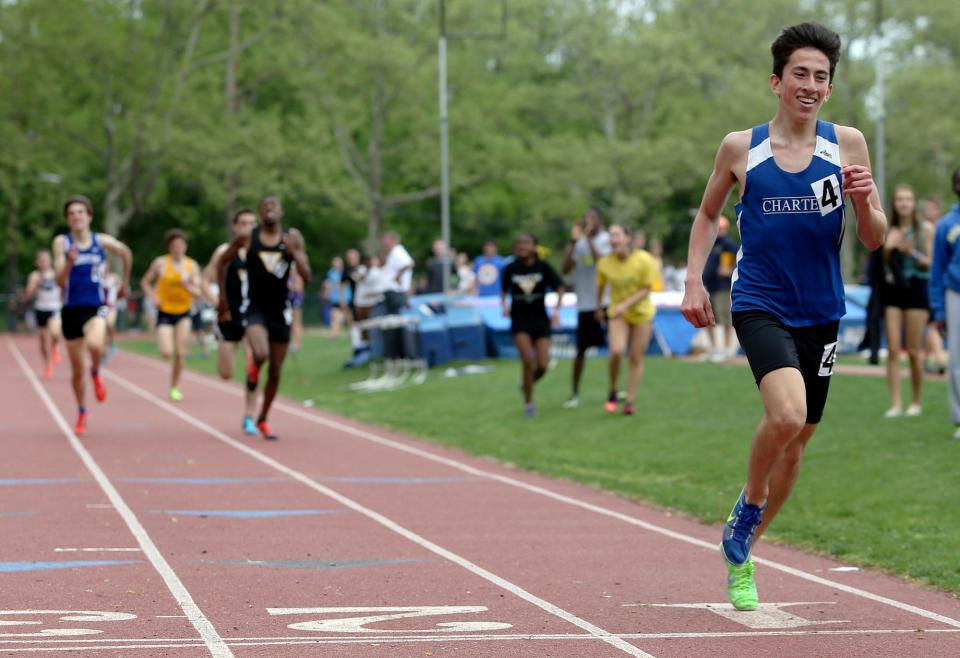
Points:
x=79, y=258
x=787, y=290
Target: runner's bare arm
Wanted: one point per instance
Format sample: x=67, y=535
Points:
x=149, y=277
x=194, y=283
x=210, y=271
x=300, y=257
x=858, y=185
x=555, y=316
x=33, y=283
x=732, y=152
x=61, y=263
x=113, y=246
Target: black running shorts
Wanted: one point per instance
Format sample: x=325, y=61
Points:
x=231, y=332
x=43, y=317
x=770, y=345
x=276, y=322
x=589, y=331
x=536, y=328
x=172, y=319
x=74, y=318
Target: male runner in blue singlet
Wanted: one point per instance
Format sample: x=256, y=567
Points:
x=79, y=259
x=787, y=290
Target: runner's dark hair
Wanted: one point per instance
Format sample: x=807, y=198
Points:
x=805, y=35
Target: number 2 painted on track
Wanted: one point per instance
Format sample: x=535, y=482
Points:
x=64, y=615
x=393, y=613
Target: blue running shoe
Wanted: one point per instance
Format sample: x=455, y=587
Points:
x=740, y=530
x=249, y=427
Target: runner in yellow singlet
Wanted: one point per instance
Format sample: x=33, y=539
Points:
x=172, y=282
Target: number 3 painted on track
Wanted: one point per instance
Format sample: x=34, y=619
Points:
x=358, y=624
x=64, y=615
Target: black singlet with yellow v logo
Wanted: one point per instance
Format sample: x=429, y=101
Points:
x=268, y=269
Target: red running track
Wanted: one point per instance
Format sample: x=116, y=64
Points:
x=165, y=532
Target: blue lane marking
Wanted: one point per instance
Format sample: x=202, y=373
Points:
x=246, y=513
x=315, y=564
x=398, y=480
x=14, y=567
x=241, y=480
x=12, y=482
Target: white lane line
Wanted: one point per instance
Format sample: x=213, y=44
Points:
x=425, y=543
x=209, y=635
x=532, y=488
x=96, y=550
x=75, y=645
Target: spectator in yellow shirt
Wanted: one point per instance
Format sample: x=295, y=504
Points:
x=630, y=274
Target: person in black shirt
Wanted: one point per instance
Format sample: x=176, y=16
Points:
x=271, y=250
x=231, y=333
x=527, y=279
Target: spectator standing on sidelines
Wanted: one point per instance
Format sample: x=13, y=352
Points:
x=398, y=270
x=466, y=279
x=439, y=261
x=631, y=274
x=717, y=274
x=906, y=299
x=936, y=356
x=589, y=242
x=488, y=267
x=334, y=290
x=527, y=279
x=945, y=295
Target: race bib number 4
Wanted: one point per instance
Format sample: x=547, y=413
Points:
x=828, y=359
x=829, y=194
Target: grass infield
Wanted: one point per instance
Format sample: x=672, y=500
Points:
x=874, y=492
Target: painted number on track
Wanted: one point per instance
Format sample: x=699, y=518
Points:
x=339, y=624
x=34, y=618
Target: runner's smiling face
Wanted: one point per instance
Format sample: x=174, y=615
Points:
x=805, y=85
x=619, y=239
x=78, y=217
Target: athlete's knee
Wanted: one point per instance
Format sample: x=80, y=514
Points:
x=274, y=370
x=165, y=352
x=913, y=353
x=539, y=372
x=787, y=421
x=636, y=360
x=225, y=372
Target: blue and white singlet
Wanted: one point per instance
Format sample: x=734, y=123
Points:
x=85, y=285
x=791, y=227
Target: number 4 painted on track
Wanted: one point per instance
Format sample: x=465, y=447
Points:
x=358, y=624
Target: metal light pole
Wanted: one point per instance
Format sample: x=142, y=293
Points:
x=880, y=174
x=444, y=148
x=444, y=127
